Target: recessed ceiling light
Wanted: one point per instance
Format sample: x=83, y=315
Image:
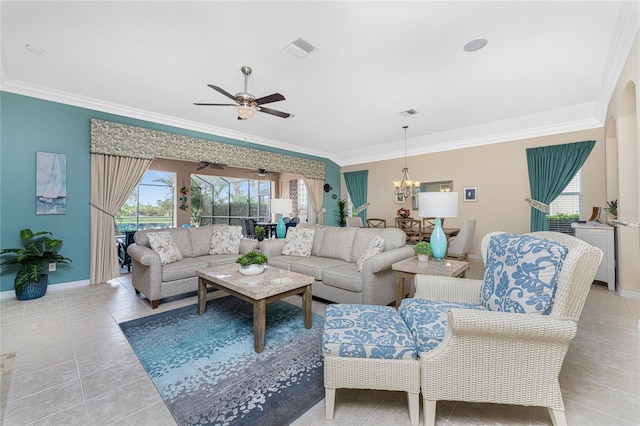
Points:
x=34, y=49
x=475, y=45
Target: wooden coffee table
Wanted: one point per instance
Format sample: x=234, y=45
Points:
x=273, y=284
x=408, y=268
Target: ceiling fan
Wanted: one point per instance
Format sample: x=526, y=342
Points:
x=205, y=164
x=245, y=103
x=263, y=172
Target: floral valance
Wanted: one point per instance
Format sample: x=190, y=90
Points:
x=131, y=141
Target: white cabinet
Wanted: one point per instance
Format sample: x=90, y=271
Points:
x=601, y=236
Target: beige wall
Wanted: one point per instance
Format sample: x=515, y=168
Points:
x=623, y=177
x=499, y=172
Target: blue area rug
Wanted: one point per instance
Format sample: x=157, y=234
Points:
x=208, y=373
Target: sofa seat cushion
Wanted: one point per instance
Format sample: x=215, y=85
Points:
x=185, y=268
x=521, y=273
x=344, y=276
x=366, y=331
x=314, y=265
x=427, y=320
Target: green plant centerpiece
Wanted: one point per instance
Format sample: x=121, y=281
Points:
x=422, y=250
x=260, y=233
x=38, y=251
x=252, y=263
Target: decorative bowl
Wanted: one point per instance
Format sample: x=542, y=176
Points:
x=251, y=269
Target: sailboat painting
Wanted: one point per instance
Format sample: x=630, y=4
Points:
x=51, y=183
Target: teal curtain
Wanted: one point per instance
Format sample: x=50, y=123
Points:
x=551, y=168
x=357, y=188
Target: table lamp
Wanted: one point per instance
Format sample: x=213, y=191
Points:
x=280, y=206
x=438, y=205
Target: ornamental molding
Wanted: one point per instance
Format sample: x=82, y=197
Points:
x=123, y=140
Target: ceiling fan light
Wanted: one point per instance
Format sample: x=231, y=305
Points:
x=245, y=112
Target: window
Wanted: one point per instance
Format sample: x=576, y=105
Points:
x=303, y=202
x=225, y=200
x=151, y=204
x=567, y=207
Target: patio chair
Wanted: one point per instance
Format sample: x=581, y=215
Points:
x=476, y=349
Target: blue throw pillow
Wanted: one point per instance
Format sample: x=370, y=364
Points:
x=521, y=274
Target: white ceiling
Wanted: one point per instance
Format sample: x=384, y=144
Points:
x=549, y=67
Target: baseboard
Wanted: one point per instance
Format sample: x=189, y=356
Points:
x=475, y=256
x=50, y=288
x=629, y=294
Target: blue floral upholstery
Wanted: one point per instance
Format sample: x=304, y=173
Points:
x=427, y=320
x=366, y=331
x=521, y=273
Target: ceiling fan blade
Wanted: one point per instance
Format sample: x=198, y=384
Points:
x=202, y=104
x=276, y=97
x=221, y=90
x=274, y=112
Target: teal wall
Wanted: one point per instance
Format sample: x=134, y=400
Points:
x=29, y=125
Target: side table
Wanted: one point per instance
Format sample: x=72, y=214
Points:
x=408, y=268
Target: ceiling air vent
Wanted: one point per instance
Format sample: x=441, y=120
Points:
x=299, y=48
x=408, y=112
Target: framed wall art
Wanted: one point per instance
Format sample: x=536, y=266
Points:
x=471, y=194
x=51, y=183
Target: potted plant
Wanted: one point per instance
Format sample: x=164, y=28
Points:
x=423, y=250
x=39, y=250
x=341, y=213
x=260, y=233
x=252, y=263
x=612, y=208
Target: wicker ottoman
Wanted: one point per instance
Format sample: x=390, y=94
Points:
x=369, y=347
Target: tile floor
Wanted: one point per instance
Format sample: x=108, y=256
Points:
x=73, y=366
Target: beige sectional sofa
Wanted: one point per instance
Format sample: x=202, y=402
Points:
x=156, y=281
x=333, y=263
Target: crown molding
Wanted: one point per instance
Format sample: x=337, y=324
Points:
x=564, y=120
x=25, y=89
x=625, y=34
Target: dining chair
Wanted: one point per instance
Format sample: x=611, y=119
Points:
x=376, y=223
x=459, y=246
x=354, y=222
x=412, y=228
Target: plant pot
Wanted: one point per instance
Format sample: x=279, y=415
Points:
x=33, y=290
x=423, y=257
x=251, y=269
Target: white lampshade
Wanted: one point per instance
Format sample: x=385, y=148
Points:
x=438, y=204
x=281, y=205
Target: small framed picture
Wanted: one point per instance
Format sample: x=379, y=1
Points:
x=399, y=198
x=471, y=194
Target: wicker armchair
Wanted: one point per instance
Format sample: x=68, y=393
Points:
x=501, y=357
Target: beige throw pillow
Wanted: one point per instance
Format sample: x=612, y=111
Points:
x=299, y=242
x=376, y=245
x=163, y=244
x=226, y=240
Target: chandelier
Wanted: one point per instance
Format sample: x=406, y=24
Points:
x=406, y=187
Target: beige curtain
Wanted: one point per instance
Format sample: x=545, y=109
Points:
x=112, y=180
x=314, y=188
